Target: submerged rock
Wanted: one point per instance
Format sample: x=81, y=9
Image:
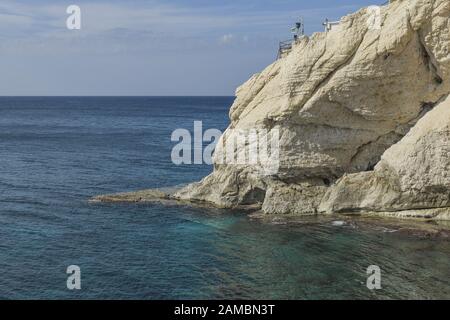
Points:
x=338, y=223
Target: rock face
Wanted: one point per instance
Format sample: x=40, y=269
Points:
x=363, y=120
x=412, y=174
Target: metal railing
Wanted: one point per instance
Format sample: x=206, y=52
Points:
x=284, y=48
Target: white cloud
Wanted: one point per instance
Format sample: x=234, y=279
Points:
x=48, y=18
x=138, y=43
x=226, y=39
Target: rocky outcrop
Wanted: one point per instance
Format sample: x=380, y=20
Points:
x=362, y=114
x=340, y=100
x=412, y=175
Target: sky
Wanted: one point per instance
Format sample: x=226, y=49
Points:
x=148, y=47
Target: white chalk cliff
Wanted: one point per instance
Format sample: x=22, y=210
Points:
x=363, y=115
x=364, y=120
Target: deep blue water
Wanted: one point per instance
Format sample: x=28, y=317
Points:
x=56, y=153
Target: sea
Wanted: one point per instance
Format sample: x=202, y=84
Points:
x=58, y=152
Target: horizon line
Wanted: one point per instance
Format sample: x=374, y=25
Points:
x=117, y=96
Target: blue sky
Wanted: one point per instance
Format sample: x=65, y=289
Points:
x=148, y=47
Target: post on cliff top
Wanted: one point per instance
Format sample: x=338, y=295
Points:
x=299, y=29
x=329, y=25
x=326, y=24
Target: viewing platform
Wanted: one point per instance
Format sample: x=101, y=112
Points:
x=285, y=48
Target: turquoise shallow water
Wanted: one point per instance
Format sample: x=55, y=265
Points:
x=58, y=152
